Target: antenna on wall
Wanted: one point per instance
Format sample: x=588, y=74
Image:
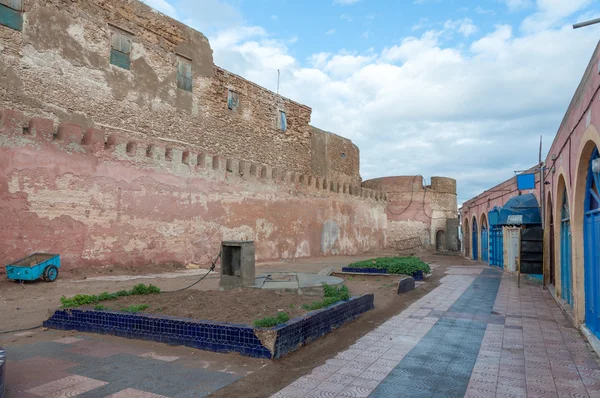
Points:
x=278, y=79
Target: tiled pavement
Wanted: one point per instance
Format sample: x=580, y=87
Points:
x=476, y=335
x=48, y=364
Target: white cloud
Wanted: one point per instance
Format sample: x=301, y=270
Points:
x=162, y=6
x=346, y=17
x=516, y=5
x=484, y=11
x=464, y=26
x=552, y=12
x=330, y=32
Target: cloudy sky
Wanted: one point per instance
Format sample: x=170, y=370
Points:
x=457, y=88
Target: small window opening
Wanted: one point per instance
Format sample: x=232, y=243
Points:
x=11, y=15
x=120, y=50
x=184, y=76
x=233, y=100
x=343, y=155
x=282, y=121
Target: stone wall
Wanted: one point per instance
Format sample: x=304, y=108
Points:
x=59, y=67
x=418, y=211
x=100, y=198
x=335, y=157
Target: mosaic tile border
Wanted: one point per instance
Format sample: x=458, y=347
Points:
x=365, y=270
x=215, y=336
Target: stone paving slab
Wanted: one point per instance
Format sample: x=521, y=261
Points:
x=49, y=364
x=476, y=335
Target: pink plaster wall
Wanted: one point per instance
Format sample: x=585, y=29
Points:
x=83, y=195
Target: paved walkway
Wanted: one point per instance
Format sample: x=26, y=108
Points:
x=56, y=364
x=476, y=335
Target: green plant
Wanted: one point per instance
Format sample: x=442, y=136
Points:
x=269, y=321
x=333, y=294
x=78, y=300
x=99, y=307
x=395, y=265
x=292, y=306
x=142, y=289
x=135, y=308
x=87, y=299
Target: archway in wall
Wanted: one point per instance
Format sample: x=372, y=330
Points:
x=550, y=229
x=485, y=239
x=440, y=240
x=591, y=244
x=467, y=238
x=475, y=240
x=566, y=269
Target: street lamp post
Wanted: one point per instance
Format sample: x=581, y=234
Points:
x=586, y=23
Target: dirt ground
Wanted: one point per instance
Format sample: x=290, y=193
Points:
x=28, y=305
x=241, y=306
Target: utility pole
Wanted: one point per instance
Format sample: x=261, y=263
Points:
x=586, y=23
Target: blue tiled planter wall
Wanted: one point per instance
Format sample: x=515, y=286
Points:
x=365, y=270
x=213, y=336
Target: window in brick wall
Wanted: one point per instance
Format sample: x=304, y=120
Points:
x=233, y=100
x=120, y=50
x=184, y=75
x=282, y=121
x=10, y=14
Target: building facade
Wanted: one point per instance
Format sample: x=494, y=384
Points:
x=571, y=211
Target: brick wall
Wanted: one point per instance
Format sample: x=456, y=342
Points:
x=100, y=198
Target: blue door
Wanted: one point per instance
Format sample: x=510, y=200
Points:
x=566, y=275
x=484, y=243
x=496, y=249
x=591, y=239
x=475, y=242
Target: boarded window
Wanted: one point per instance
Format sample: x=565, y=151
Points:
x=120, y=51
x=10, y=14
x=233, y=100
x=184, y=76
x=282, y=121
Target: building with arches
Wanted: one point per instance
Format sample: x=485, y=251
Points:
x=571, y=213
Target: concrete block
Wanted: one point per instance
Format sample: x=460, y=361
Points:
x=406, y=284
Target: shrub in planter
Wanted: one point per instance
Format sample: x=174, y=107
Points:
x=396, y=265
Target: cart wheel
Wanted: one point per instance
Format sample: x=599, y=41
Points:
x=50, y=273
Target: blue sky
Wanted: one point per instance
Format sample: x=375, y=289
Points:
x=456, y=88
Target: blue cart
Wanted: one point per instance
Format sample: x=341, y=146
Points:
x=33, y=267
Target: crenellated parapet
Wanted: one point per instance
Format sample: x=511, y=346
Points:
x=166, y=156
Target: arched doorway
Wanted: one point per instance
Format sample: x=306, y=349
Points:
x=484, y=239
x=440, y=240
x=566, y=269
x=591, y=245
x=550, y=212
x=467, y=238
x=475, y=240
